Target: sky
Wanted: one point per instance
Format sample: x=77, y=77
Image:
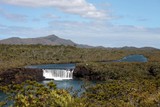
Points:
x=109, y=23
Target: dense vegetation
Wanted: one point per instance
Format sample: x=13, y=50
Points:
x=120, y=70
x=124, y=84
x=12, y=56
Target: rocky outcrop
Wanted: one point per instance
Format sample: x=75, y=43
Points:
x=86, y=73
x=19, y=75
x=81, y=71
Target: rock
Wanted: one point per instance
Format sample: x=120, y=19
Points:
x=86, y=73
x=19, y=75
x=81, y=71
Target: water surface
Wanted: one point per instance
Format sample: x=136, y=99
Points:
x=134, y=58
x=53, y=66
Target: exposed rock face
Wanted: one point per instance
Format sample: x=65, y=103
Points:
x=81, y=71
x=87, y=73
x=19, y=75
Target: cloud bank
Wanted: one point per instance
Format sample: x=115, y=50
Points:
x=78, y=7
x=12, y=16
x=82, y=30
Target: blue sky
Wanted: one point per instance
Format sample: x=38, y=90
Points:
x=109, y=23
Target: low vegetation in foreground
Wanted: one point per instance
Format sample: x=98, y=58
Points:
x=122, y=84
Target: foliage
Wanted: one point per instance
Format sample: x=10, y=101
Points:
x=121, y=70
x=33, y=94
x=12, y=56
x=121, y=93
x=115, y=93
x=124, y=84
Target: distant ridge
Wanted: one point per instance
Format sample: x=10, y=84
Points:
x=48, y=40
x=55, y=40
x=135, y=48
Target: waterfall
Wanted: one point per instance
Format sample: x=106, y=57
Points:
x=58, y=74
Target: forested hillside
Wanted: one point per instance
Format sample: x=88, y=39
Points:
x=125, y=84
x=21, y=55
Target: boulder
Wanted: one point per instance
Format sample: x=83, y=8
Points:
x=19, y=75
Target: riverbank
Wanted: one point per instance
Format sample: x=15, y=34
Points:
x=19, y=75
x=13, y=56
x=116, y=70
x=131, y=83
x=90, y=71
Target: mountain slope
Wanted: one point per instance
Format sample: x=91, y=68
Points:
x=48, y=40
x=55, y=40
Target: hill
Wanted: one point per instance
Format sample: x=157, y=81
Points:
x=48, y=40
x=55, y=40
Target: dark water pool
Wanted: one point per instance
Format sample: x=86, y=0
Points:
x=2, y=96
x=134, y=58
x=63, y=84
x=53, y=66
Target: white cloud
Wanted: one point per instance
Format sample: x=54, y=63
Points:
x=51, y=16
x=78, y=7
x=92, y=33
x=19, y=31
x=12, y=16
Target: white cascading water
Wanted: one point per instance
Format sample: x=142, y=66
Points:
x=58, y=74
